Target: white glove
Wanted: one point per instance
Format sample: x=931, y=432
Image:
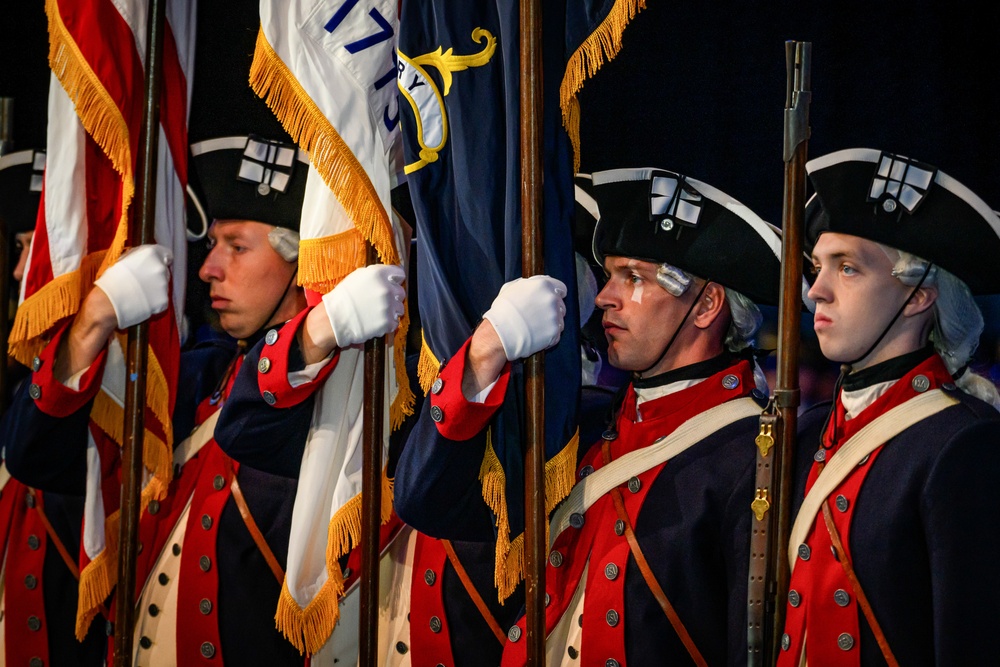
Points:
x=528, y=315
x=138, y=284
x=366, y=304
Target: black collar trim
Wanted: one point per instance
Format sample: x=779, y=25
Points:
x=696, y=371
x=891, y=369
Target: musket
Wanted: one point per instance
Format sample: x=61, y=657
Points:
x=534, y=366
x=140, y=233
x=6, y=146
x=371, y=490
x=769, y=572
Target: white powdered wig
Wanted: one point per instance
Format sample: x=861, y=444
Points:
x=672, y=279
x=958, y=322
x=285, y=242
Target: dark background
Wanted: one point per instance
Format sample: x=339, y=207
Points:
x=699, y=88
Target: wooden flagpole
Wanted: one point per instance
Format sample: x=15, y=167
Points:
x=141, y=232
x=534, y=366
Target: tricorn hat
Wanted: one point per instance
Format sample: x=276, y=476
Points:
x=661, y=216
x=244, y=164
x=908, y=205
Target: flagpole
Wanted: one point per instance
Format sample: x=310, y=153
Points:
x=371, y=490
x=534, y=366
x=138, y=344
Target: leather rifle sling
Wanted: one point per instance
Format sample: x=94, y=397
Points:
x=845, y=561
x=647, y=573
x=473, y=593
x=765, y=484
x=251, y=525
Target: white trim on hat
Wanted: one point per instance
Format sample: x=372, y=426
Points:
x=14, y=159
x=233, y=143
x=767, y=232
x=944, y=180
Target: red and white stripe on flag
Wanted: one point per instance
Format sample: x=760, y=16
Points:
x=96, y=54
x=327, y=68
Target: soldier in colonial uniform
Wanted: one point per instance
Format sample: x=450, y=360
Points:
x=894, y=542
x=652, y=567
x=211, y=552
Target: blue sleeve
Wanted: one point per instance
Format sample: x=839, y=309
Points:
x=258, y=435
x=42, y=451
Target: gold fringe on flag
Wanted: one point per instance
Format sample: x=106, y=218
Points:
x=560, y=474
x=402, y=404
x=271, y=79
x=601, y=46
x=428, y=365
x=309, y=628
x=324, y=262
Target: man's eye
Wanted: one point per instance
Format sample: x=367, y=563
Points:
x=635, y=278
x=848, y=270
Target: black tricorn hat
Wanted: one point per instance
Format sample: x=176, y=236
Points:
x=244, y=165
x=661, y=216
x=20, y=189
x=907, y=205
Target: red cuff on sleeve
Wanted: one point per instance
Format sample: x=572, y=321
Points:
x=53, y=397
x=456, y=417
x=272, y=369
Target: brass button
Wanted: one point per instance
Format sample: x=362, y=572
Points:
x=263, y=189
x=804, y=551
x=205, y=563
x=35, y=391
x=271, y=337
x=36, y=662
x=437, y=386
x=730, y=381
x=30, y=582
x=786, y=642
x=429, y=577
x=794, y=598
x=205, y=606
x=435, y=624
x=611, y=617
x=437, y=414
x=576, y=520
x=34, y=623
x=556, y=559
x=920, y=384
x=634, y=484
x=610, y=435
x=29, y=500
x=153, y=506
x=269, y=398
x=619, y=527
x=585, y=471
x=514, y=633
x=36, y=364
x=206, y=522
x=264, y=365
x=208, y=650
x=841, y=597
x=34, y=542
x=611, y=662
x=611, y=571
x=845, y=641
x=218, y=482
x=819, y=456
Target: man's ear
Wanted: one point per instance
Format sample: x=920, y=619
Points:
x=921, y=301
x=710, y=305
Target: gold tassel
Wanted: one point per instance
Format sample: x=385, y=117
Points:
x=428, y=365
x=324, y=262
x=601, y=46
x=402, y=404
x=98, y=578
x=333, y=159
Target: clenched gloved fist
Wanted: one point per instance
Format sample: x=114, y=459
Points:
x=138, y=284
x=528, y=315
x=366, y=304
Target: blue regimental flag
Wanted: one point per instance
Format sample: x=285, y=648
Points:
x=458, y=75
